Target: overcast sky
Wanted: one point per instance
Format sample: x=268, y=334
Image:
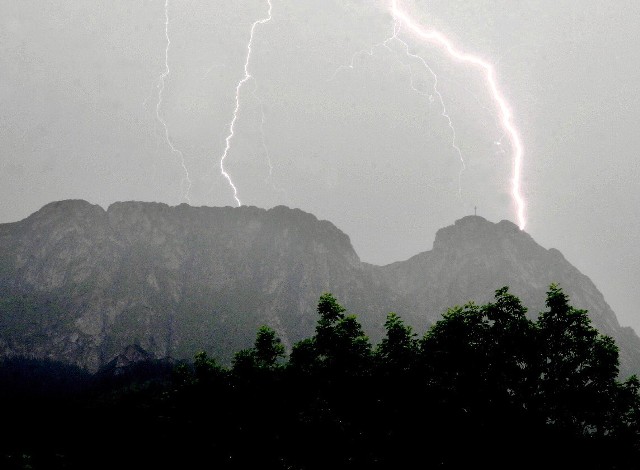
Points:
x=356, y=138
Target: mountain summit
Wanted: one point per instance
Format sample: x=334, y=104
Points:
x=81, y=284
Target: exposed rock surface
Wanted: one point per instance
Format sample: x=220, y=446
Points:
x=80, y=284
x=473, y=257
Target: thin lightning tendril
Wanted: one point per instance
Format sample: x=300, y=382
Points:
x=161, y=84
x=438, y=38
x=214, y=66
x=408, y=53
x=265, y=148
x=401, y=18
x=444, y=113
x=245, y=79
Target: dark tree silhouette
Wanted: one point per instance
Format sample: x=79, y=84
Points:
x=484, y=387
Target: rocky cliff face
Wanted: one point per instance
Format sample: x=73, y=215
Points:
x=474, y=257
x=80, y=284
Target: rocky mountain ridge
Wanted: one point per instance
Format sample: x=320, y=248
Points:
x=81, y=284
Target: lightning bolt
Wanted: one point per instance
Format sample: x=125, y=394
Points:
x=241, y=83
x=438, y=38
x=161, y=85
x=436, y=92
x=265, y=148
x=445, y=114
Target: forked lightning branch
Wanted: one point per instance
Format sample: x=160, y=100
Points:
x=402, y=22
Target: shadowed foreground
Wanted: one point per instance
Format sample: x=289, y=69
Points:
x=485, y=387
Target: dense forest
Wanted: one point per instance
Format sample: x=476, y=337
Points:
x=486, y=386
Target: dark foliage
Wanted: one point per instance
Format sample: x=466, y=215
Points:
x=486, y=387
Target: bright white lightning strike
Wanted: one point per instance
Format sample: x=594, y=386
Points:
x=161, y=83
x=438, y=38
x=245, y=79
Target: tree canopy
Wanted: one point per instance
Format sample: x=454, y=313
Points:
x=485, y=386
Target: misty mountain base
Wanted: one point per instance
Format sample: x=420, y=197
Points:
x=485, y=387
x=80, y=284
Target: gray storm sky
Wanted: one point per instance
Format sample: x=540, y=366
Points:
x=346, y=137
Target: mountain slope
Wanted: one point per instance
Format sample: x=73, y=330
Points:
x=80, y=284
x=473, y=257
